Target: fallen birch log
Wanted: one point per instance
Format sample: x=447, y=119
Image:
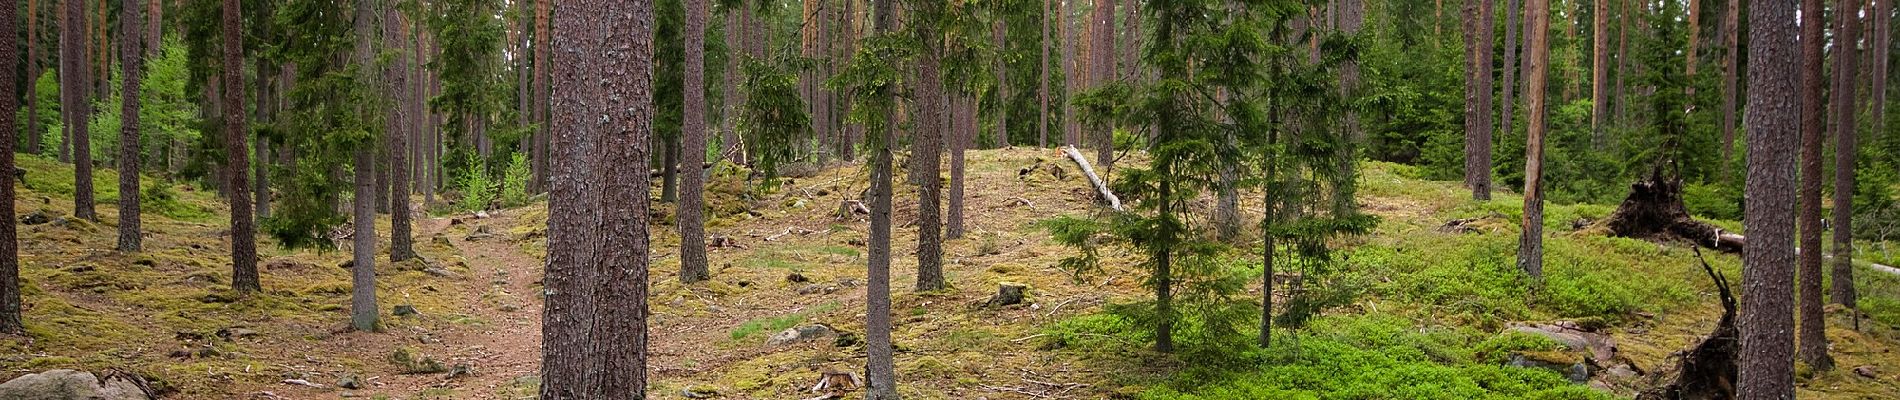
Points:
x=1101, y=187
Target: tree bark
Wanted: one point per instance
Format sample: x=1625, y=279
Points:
x=32, y=132
x=1000, y=29
x=10, y=322
x=1846, y=45
x=401, y=241
x=1102, y=71
x=1101, y=187
x=260, y=165
x=1731, y=33
x=880, y=370
x=1600, y=69
x=960, y=135
x=1813, y=334
x=70, y=63
x=1071, y=72
x=1042, y=79
x=1767, y=315
x=735, y=51
x=129, y=232
x=927, y=149
x=620, y=333
x=1881, y=43
x=692, y=202
x=76, y=109
x=1478, y=98
x=1506, y=117
x=364, y=317
x=669, y=169
x=1530, y=252
x=540, y=106
x=243, y=225
x=567, y=363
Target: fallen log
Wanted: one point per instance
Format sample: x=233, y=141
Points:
x=659, y=173
x=1101, y=188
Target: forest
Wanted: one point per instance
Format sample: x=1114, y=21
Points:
x=948, y=199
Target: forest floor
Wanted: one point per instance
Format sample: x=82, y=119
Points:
x=1420, y=311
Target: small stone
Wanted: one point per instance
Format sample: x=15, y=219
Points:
x=1866, y=371
x=404, y=310
x=1007, y=295
x=817, y=288
x=438, y=272
x=461, y=370
x=349, y=381
x=232, y=334
x=37, y=218
x=796, y=278
x=698, y=392
x=509, y=308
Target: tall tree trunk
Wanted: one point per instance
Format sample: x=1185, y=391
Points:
x=879, y=368
x=692, y=202
x=155, y=29
x=1530, y=250
x=1813, y=328
x=540, y=106
x=76, y=108
x=69, y=64
x=620, y=334
x=1102, y=71
x=32, y=132
x=1695, y=33
x=735, y=50
x=1731, y=54
x=1506, y=117
x=669, y=169
x=1042, y=79
x=1767, y=314
x=1846, y=26
x=364, y=317
x=1600, y=70
x=261, y=148
x=1000, y=30
x=243, y=225
x=1478, y=98
x=401, y=240
x=129, y=232
x=10, y=322
x=1881, y=43
x=927, y=149
x=960, y=135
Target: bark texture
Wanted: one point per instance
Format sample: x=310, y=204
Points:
x=1846, y=27
x=132, y=52
x=1813, y=335
x=401, y=240
x=1600, y=67
x=9, y=232
x=880, y=371
x=692, y=201
x=927, y=153
x=243, y=224
x=1478, y=98
x=1530, y=252
x=1767, y=315
x=75, y=89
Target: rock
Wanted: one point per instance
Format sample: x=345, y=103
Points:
x=218, y=297
x=461, y=370
x=481, y=214
x=1866, y=371
x=1576, y=372
x=1007, y=294
x=404, y=310
x=699, y=392
x=235, y=333
x=349, y=381
x=38, y=218
x=277, y=264
x=798, y=334
x=480, y=232
x=455, y=221
x=817, y=288
x=64, y=384
x=438, y=272
x=440, y=240
x=796, y=278
x=413, y=362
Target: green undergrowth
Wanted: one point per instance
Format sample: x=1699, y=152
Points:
x=48, y=177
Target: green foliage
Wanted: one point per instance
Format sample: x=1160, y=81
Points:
x=468, y=65
x=779, y=323
x=327, y=118
x=773, y=119
x=514, y=181
x=478, y=190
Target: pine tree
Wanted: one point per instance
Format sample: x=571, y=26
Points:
x=364, y=315
x=397, y=134
x=33, y=128
x=1767, y=313
x=692, y=205
x=1846, y=27
x=1530, y=253
x=10, y=321
x=927, y=142
x=76, y=104
x=1478, y=98
x=243, y=226
x=1813, y=329
x=129, y=232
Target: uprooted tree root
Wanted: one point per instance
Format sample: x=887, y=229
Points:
x=1706, y=371
x=1654, y=211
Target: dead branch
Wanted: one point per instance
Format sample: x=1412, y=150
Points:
x=1101, y=188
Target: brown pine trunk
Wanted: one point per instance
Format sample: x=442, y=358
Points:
x=1880, y=42
x=260, y=186
x=1813, y=327
x=69, y=65
x=9, y=236
x=76, y=109
x=401, y=241
x=620, y=333
x=1530, y=251
x=1767, y=313
x=880, y=370
x=1478, y=98
x=364, y=317
x=243, y=225
x=1731, y=54
x=1600, y=69
x=1846, y=26
x=735, y=51
x=1000, y=32
x=1695, y=32
x=129, y=232
x=692, y=203
x=540, y=106
x=959, y=136
x=1071, y=73
x=1506, y=116
x=32, y=132
x=1101, y=72
x=927, y=146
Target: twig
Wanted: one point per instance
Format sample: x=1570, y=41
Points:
x=1021, y=339
x=788, y=231
x=1014, y=390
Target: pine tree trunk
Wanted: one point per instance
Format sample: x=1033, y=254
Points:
x=1881, y=43
x=130, y=240
x=880, y=370
x=1530, y=252
x=568, y=366
x=669, y=169
x=620, y=333
x=364, y=316
x=243, y=225
x=735, y=51
x=692, y=202
x=10, y=322
x=1478, y=98
x=1846, y=26
x=1813, y=327
x=540, y=106
x=1042, y=79
x=1000, y=29
x=260, y=165
x=401, y=240
x=960, y=136
x=1507, y=117
x=1731, y=54
x=33, y=128
x=1600, y=69
x=76, y=88
x=1767, y=312
x=70, y=63
x=1101, y=72
x=927, y=149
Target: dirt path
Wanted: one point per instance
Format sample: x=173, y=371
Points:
x=501, y=292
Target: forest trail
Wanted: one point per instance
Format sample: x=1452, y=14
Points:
x=501, y=292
